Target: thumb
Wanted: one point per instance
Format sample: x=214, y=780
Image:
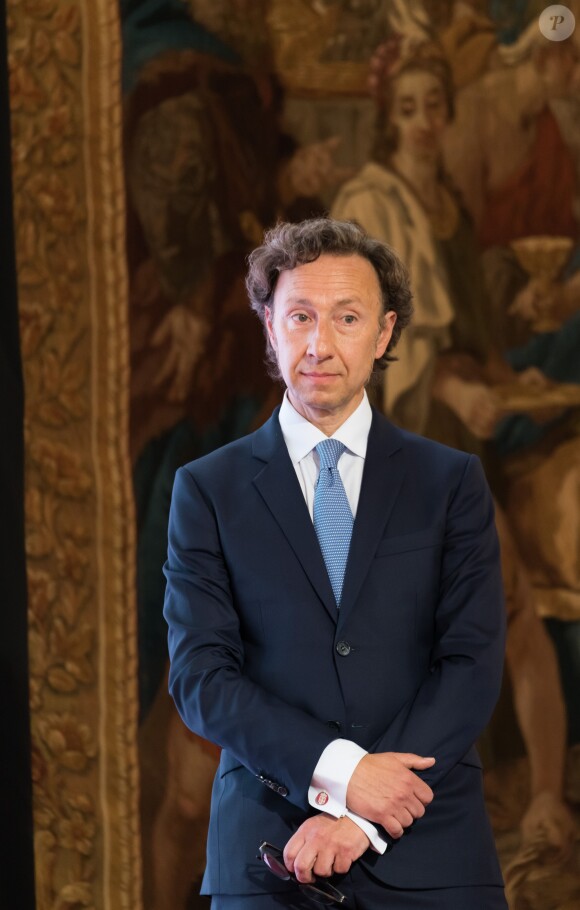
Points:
x=410, y=760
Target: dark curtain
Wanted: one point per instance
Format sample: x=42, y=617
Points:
x=16, y=852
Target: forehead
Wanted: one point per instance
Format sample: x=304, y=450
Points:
x=329, y=278
x=417, y=83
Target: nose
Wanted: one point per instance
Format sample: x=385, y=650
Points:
x=320, y=341
x=422, y=120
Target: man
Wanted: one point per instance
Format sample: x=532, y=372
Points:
x=346, y=693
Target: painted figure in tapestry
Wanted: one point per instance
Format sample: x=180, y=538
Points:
x=445, y=383
x=520, y=178
x=208, y=169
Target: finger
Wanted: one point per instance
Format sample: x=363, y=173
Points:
x=423, y=792
x=415, y=807
x=161, y=334
x=393, y=827
x=341, y=865
x=325, y=863
x=304, y=864
x=165, y=371
x=404, y=817
x=292, y=849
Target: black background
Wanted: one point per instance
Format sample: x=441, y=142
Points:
x=16, y=850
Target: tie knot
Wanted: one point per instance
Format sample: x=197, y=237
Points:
x=329, y=451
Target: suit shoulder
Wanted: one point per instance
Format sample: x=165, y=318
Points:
x=429, y=448
x=224, y=459
x=440, y=464
x=232, y=461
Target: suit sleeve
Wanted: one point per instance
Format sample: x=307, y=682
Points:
x=456, y=699
x=213, y=695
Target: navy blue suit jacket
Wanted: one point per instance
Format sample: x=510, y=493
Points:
x=264, y=665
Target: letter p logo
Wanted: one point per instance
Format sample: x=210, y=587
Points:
x=557, y=22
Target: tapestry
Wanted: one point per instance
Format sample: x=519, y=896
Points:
x=154, y=142
x=64, y=60
x=239, y=114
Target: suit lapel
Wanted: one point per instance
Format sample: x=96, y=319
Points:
x=278, y=485
x=383, y=475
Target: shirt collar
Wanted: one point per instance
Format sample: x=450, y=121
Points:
x=301, y=436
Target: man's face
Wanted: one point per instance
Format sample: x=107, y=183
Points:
x=325, y=327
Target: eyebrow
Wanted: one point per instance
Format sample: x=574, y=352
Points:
x=430, y=94
x=305, y=301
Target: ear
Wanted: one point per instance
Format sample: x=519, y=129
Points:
x=385, y=334
x=269, y=320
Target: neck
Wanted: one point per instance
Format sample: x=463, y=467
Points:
x=327, y=420
x=421, y=173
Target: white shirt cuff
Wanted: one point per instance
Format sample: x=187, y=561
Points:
x=327, y=791
x=378, y=843
x=329, y=782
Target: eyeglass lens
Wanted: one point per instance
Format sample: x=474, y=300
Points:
x=313, y=892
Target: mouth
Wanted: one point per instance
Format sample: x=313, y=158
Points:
x=320, y=377
x=426, y=141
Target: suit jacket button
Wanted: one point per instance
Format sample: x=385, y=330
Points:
x=333, y=724
x=283, y=791
x=343, y=648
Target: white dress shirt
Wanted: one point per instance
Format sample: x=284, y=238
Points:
x=336, y=765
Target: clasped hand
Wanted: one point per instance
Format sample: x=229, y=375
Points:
x=324, y=845
x=382, y=789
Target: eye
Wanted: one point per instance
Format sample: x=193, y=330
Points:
x=299, y=317
x=349, y=319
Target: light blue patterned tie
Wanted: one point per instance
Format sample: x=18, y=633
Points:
x=333, y=519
